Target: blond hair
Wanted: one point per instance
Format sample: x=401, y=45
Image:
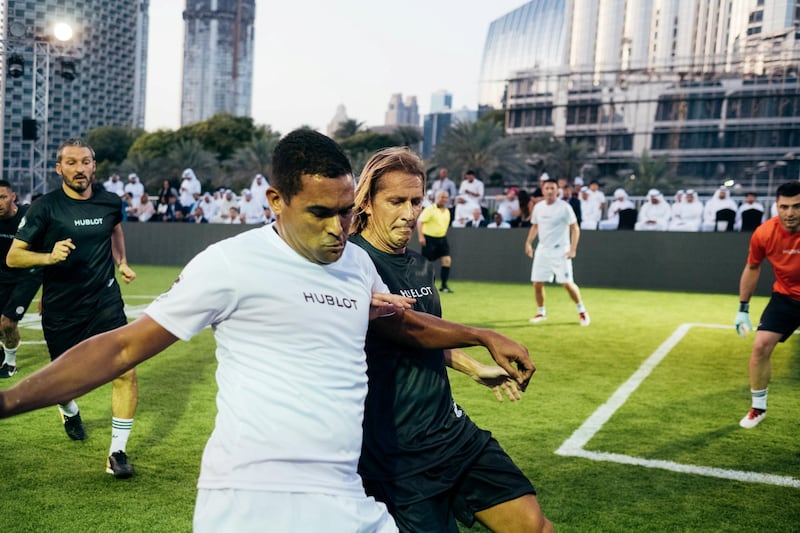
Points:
x=382, y=162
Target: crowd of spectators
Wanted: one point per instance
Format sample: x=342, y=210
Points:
x=468, y=203
x=188, y=203
x=686, y=211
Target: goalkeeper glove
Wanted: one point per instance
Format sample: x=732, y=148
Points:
x=742, y=323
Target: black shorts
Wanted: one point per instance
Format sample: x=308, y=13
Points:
x=462, y=486
x=63, y=332
x=435, y=247
x=15, y=298
x=782, y=315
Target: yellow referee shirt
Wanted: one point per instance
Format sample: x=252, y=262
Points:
x=435, y=221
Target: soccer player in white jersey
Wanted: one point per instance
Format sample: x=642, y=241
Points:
x=289, y=304
x=554, y=222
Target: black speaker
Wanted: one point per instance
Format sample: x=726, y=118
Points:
x=29, y=130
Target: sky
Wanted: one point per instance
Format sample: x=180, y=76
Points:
x=313, y=55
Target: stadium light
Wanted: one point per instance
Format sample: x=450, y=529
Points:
x=68, y=69
x=62, y=31
x=16, y=65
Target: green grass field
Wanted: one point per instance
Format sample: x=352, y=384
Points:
x=683, y=414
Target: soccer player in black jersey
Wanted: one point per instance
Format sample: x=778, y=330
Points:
x=421, y=454
x=17, y=287
x=74, y=232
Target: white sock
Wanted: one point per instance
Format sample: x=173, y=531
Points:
x=581, y=307
x=11, y=355
x=120, y=431
x=759, y=399
x=68, y=409
x=542, y=311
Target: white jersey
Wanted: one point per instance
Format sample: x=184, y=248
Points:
x=291, y=365
x=554, y=221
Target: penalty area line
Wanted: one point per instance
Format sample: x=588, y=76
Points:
x=573, y=446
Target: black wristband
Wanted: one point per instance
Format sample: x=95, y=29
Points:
x=744, y=307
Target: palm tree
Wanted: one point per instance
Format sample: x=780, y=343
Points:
x=348, y=128
x=483, y=147
x=409, y=136
x=191, y=154
x=652, y=173
x=149, y=170
x=253, y=158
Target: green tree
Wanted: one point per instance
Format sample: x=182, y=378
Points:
x=409, y=136
x=643, y=174
x=155, y=144
x=497, y=116
x=483, y=147
x=221, y=134
x=148, y=169
x=347, y=129
x=190, y=154
x=253, y=158
x=111, y=145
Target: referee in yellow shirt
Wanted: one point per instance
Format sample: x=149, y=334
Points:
x=432, y=228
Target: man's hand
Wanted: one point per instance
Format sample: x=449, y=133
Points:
x=505, y=352
x=61, y=250
x=127, y=273
x=499, y=381
x=385, y=304
x=528, y=249
x=742, y=323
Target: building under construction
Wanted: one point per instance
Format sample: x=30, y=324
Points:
x=217, y=58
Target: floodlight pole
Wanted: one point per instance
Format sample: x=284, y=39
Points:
x=40, y=102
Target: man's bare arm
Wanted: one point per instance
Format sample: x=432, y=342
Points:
x=86, y=366
x=120, y=257
x=748, y=282
x=421, y=330
x=21, y=256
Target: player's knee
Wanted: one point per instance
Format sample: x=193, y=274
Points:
x=127, y=378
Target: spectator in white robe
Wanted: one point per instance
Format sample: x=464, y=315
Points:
x=115, y=185
x=720, y=200
x=621, y=202
x=655, y=213
x=134, y=187
x=590, y=208
x=259, y=189
x=250, y=209
x=687, y=215
x=189, y=186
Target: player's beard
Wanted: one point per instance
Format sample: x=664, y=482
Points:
x=79, y=188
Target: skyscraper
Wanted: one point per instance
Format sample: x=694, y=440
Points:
x=441, y=101
x=711, y=86
x=64, y=89
x=217, y=58
x=402, y=112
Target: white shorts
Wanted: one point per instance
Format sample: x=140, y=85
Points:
x=546, y=267
x=245, y=511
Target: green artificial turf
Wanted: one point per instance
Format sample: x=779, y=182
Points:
x=686, y=411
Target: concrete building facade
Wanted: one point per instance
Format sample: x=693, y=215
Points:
x=64, y=89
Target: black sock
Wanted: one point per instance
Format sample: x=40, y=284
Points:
x=445, y=275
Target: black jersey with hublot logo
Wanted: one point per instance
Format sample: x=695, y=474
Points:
x=85, y=282
x=411, y=422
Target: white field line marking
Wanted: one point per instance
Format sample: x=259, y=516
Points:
x=573, y=446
